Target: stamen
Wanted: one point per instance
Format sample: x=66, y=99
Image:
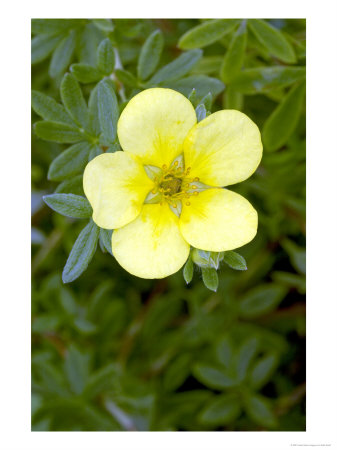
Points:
x=196, y=179
x=187, y=203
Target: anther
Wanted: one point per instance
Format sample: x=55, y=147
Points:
x=194, y=186
x=187, y=203
x=164, y=166
x=196, y=179
x=195, y=193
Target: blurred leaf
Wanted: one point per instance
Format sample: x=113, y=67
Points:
x=57, y=132
x=73, y=100
x=42, y=46
x=49, y=109
x=234, y=260
x=245, y=355
x=81, y=253
x=259, y=410
x=45, y=323
x=235, y=54
x=177, y=68
x=188, y=271
x=224, y=351
x=105, y=235
x=213, y=377
x=54, y=26
x=284, y=119
x=261, y=300
x=273, y=40
x=106, y=57
x=264, y=79
x=107, y=110
x=262, y=370
x=126, y=78
x=210, y=278
x=150, y=55
x=69, y=205
x=233, y=99
x=70, y=162
x=221, y=410
x=105, y=25
x=62, y=55
x=206, y=33
x=85, y=73
x=76, y=366
x=177, y=372
x=201, y=83
x=297, y=255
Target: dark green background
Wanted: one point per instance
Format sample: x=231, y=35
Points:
x=114, y=352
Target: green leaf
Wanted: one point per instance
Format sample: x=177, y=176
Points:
x=85, y=73
x=126, y=78
x=224, y=351
x=107, y=110
x=233, y=99
x=72, y=186
x=73, y=100
x=245, y=355
x=207, y=101
x=94, y=125
x=106, y=57
x=213, y=377
x=49, y=109
x=281, y=124
x=70, y=162
x=105, y=25
x=81, y=253
x=150, y=55
x=235, y=54
x=105, y=236
x=261, y=300
x=177, y=372
x=234, y=260
x=76, y=367
x=201, y=83
x=57, y=132
x=95, y=151
x=297, y=255
x=62, y=55
x=262, y=370
x=188, y=271
x=177, y=68
x=264, y=79
x=273, y=39
x=200, y=112
x=42, y=46
x=210, y=278
x=221, y=410
x=69, y=205
x=206, y=33
x=258, y=409
x=54, y=26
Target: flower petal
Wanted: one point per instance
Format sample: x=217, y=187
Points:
x=223, y=149
x=218, y=220
x=116, y=185
x=151, y=246
x=154, y=125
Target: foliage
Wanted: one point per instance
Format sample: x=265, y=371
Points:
x=115, y=352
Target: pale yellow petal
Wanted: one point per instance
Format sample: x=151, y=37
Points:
x=116, y=186
x=151, y=246
x=218, y=220
x=223, y=149
x=154, y=124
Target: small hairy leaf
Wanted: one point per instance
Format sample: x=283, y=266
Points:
x=85, y=73
x=206, y=33
x=69, y=205
x=106, y=57
x=273, y=40
x=55, y=26
x=107, y=110
x=49, y=109
x=105, y=25
x=281, y=124
x=188, y=271
x=150, y=55
x=81, y=253
x=200, y=112
x=177, y=68
x=201, y=83
x=71, y=186
x=73, y=100
x=70, y=162
x=234, y=260
x=57, y=132
x=105, y=236
x=210, y=278
x=235, y=54
x=126, y=78
x=42, y=46
x=62, y=55
x=263, y=79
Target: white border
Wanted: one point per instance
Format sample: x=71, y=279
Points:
x=322, y=226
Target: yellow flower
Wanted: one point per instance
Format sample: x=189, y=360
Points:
x=164, y=192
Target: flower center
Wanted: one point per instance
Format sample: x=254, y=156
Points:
x=171, y=185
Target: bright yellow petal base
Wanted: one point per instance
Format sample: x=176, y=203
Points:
x=116, y=186
x=151, y=246
x=218, y=220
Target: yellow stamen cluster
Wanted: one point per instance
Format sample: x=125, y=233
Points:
x=174, y=184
